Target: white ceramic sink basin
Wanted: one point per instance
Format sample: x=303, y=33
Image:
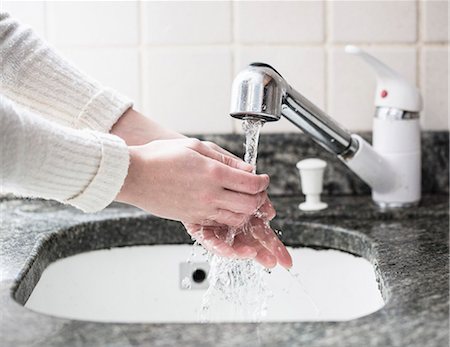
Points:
x=142, y=284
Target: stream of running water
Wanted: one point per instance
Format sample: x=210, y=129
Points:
x=240, y=282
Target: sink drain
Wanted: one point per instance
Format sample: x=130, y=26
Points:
x=194, y=275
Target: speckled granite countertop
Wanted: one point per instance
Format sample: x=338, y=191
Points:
x=408, y=248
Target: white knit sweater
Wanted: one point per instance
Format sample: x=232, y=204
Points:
x=54, y=124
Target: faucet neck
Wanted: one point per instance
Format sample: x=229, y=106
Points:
x=317, y=124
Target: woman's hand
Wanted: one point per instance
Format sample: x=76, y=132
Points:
x=163, y=163
x=191, y=181
x=254, y=240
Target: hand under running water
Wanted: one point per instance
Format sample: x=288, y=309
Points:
x=255, y=239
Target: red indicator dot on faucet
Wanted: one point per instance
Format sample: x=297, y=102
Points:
x=384, y=93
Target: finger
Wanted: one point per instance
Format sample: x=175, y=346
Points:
x=266, y=259
x=219, y=149
x=241, y=181
x=215, y=240
x=262, y=232
x=269, y=240
x=243, y=251
x=227, y=155
x=226, y=234
x=227, y=160
x=216, y=246
x=229, y=218
x=242, y=203
x=245, y=238
x=209, y=223
x=267, y=211
x=237, y=163
x=278, y=250
x=263, y=255
x=245, y=244
x=283, y=257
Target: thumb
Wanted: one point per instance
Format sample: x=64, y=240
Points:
x=237, y=163
x=223, y=157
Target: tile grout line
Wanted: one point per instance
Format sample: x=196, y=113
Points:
x=141, y=56
x=419, y=42
x=45, y=4
x=441, y=44
x=326, y=26
x=233, y=66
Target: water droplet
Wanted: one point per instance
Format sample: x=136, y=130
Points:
x=186, y=283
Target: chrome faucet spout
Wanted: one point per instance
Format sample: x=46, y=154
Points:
x=261, y=92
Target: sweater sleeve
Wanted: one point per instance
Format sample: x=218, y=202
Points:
x=83, y=168
x=36, y=77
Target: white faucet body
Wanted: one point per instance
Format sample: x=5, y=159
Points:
x=396, y=137
x=391, y=168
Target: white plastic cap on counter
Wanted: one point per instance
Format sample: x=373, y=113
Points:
x=311, y=174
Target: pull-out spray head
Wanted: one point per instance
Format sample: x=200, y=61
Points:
x=393, y=90
x=257, y=93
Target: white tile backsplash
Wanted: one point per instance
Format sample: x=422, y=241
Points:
x=435, y=20
x=279, y=21
x=92, y=22
x=373, y=21
x=188, y=89
x=177, y=59
x=31, y=13
x=186, y=22
x=117, y=68
x=435, y=84
x=303, y=68
x=351, y=84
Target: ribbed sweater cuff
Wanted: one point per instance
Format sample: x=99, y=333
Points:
x=103, y=110
x=108, y=180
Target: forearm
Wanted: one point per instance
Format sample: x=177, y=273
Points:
x=36, y=76
x=136, y=129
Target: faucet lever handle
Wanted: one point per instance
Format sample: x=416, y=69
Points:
x=393, y=90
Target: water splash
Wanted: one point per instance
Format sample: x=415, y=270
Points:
x=186, y=283
x=298, y=280
x=240, y=282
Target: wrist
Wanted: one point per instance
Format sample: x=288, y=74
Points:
x=127, y=193
x=136, y=129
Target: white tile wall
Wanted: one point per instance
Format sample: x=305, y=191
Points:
x=186, y=22
x=279, y=21
x=31, y=13
x=373, y=21
x=117, y=68
x=188, y=89
x=177, y=59
x=435, y=84
x=92, y=23
x=435, y=20
x=352, y=83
